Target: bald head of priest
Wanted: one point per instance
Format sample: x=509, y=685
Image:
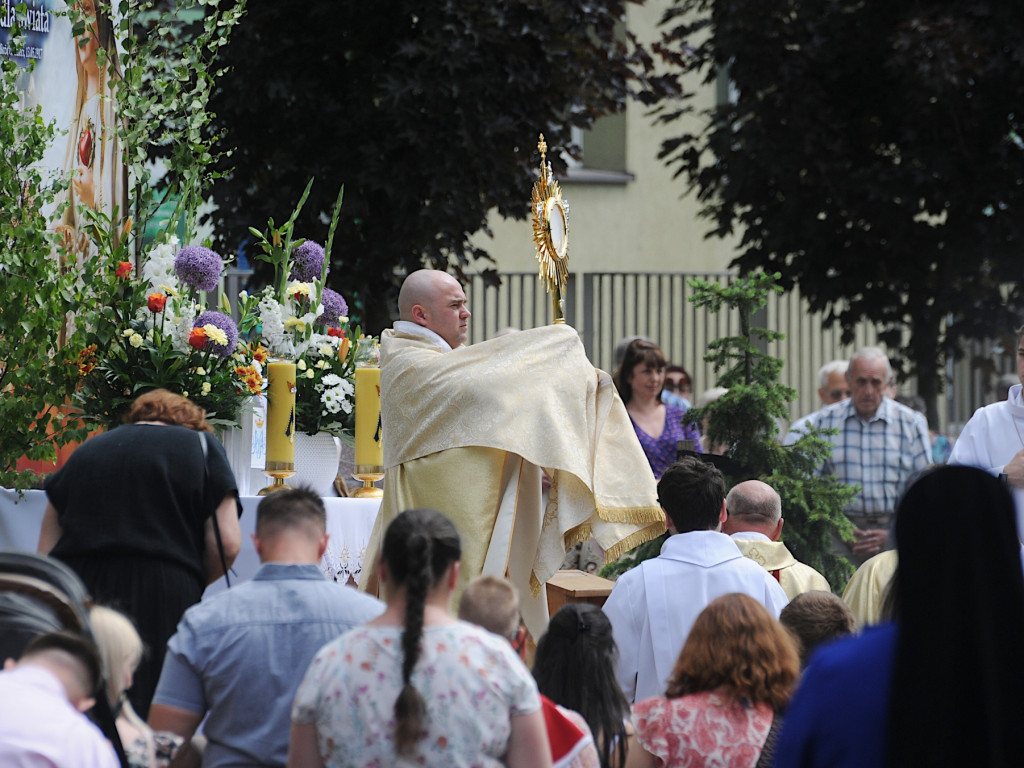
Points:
x=435, y=300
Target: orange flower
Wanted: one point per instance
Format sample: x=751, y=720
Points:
x=260, y=355
x=156, y=302
x=124, y=268
x=197, y=339
x=87, y=360
x=343, y=352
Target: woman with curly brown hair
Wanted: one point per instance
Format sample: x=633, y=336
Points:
x=132, y=512
x=736, y=672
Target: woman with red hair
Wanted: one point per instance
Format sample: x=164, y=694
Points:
x=137, y=512
x=736, y=672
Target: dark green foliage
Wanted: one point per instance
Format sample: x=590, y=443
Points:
x=35, y=289
x=745, y=418
x=428, y=113
x=872, y=154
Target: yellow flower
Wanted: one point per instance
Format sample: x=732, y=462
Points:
x=322, y=364
x=200, y=371
x=136, y=340
x=326, y=350
x=215, y=334
x=127, y=332
x=297, y=288
x=301, y=364
x=206, y=387
x=310, y=374
x=294, y=322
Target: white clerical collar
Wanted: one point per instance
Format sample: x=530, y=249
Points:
x=1014, y=396
x=407, y=328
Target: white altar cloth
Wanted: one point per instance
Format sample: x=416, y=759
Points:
x=349, y=523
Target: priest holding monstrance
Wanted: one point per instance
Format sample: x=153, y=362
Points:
x=470, y=431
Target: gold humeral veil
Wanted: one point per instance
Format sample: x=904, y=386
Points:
x=468, y=431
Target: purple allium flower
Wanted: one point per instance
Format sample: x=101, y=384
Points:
x=226, y=324
x=334, y=307
x=198, y=267
x=307, y=262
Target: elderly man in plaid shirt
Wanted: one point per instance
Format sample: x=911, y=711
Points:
x=879, y=445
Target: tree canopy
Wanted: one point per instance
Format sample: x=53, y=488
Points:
x=871, y=153
x=428, y=113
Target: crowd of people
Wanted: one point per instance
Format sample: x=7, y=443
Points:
x=721, y=650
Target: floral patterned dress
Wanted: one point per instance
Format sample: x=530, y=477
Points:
x=472, y=681
x=661, y=450
x=703, y=729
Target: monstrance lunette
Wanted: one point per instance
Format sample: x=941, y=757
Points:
x=551, y=233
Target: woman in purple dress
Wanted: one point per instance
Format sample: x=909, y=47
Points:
x=658, y=426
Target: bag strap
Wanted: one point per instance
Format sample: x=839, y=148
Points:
x=767, y=757
x=216, y=524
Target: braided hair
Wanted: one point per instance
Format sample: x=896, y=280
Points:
x=419, y=547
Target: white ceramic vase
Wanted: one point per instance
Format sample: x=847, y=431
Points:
x=316, y=462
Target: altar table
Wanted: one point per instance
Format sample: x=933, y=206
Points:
x=349, y=523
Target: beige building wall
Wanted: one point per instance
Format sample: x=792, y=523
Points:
x=644, y=224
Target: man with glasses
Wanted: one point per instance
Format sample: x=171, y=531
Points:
x=878, y=445
x=832, y=388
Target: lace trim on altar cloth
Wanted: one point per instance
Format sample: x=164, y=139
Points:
x=343, y=564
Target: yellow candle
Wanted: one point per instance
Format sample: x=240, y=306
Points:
x=280, y=416
x=369, y=446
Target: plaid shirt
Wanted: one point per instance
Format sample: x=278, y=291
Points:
x=880, y=455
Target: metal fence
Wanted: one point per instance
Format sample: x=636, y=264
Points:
x=605, y=307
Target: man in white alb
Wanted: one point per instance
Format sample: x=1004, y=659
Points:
x=993, y=439
x=653, y=606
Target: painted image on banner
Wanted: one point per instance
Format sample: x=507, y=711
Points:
x=80, y=96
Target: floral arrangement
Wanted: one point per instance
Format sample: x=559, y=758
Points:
x=300, y=319
x=156, y=332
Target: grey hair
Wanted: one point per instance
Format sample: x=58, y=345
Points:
x=836, y=366
x=871, y=353
x=762, y=506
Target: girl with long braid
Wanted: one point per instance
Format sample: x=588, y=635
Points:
x=416, y=686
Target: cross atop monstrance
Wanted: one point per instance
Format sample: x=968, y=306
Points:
x=551, y=233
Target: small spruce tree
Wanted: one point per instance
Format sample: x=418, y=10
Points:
x=746, y=419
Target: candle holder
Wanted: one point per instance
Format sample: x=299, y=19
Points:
x=368, y=475
x=280, y=424
x=369, y=445
x=278, y=484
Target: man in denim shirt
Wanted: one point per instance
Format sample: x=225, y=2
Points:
x=240, y=655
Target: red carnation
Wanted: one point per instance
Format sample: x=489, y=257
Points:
x=335, y=332
x=124, y=269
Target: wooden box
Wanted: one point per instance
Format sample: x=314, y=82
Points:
x=576, y=587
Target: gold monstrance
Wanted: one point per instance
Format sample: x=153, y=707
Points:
x=551, y=233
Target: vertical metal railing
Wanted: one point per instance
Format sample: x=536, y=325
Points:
x=605, y=307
